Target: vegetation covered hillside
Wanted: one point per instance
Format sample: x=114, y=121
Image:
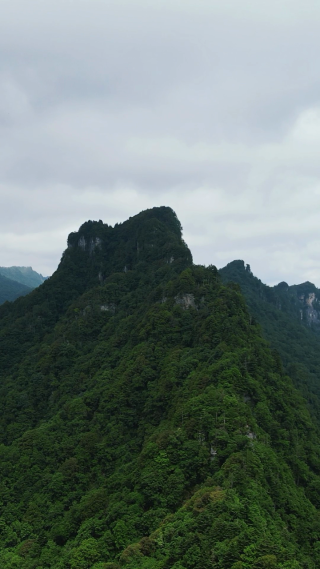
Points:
x=289, y=316
x=145, y=422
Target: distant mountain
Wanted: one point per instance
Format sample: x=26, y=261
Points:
x=10, y=290
x=24, y=275
x=290, y=319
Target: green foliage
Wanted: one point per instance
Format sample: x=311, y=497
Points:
x=283, y=317
x=145, y=423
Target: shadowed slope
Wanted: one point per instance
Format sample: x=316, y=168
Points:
x=11, y=290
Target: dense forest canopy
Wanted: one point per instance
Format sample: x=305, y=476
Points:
x=145, y=422
x=289, y=316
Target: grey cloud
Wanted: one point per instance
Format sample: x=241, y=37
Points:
x=108, y=107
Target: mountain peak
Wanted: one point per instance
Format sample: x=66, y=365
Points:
x=154, y=235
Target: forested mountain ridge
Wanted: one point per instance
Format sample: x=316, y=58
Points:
x=95, y=252
x=299, y=301
x=145, y=422
x=289, y=316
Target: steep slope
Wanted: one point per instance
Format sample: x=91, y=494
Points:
x=289, y=317
x=11, y=290
x=144, y=420
x=24, y=275
x=300, y=302
x=94, y=252
x=306, y=297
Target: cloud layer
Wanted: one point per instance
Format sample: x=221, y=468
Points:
x=213, y=108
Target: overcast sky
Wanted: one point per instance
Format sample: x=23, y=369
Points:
x=212, y=107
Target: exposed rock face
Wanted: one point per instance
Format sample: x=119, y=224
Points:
x=304, y=299
x=111, y=307
x=310, y=308
x=186, y=301
x=82, y=243
x=90, y=244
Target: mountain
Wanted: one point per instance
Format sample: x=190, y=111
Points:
x=24, y=275
x=144, y=420
x=301, y=302
x=17, y=281
x=289, y=316
x=10, y=290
